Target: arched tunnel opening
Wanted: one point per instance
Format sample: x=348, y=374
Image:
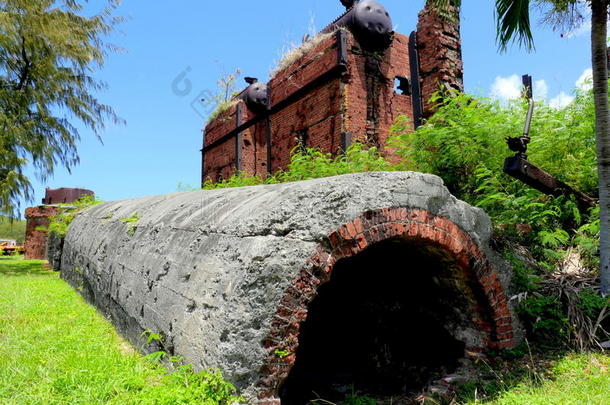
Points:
x=390, y=320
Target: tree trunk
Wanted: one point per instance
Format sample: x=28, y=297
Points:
x=599, y=59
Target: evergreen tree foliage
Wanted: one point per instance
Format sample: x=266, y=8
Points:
x=49, y=51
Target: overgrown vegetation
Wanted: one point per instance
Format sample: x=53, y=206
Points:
x=464, y=143
x=522, y=377
x=223, y=99
x=56, y=349
x=132, y=223
x=67, y=212
x=293, y=52
x=310, y=163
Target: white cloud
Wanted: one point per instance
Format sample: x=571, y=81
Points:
x=506, y=88
x=584, y=82
x=561, y=100
x=541, y=89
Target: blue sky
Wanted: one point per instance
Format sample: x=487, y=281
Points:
x=159, y=146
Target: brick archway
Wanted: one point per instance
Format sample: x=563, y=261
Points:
x=492, y=315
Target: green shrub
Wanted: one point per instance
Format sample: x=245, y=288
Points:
x=185, y=386
x=67, y=212
x=468, y=134
x=545, y=319
x=310, y=163
x=525, y=278
x=591, y=303
x=464, y=143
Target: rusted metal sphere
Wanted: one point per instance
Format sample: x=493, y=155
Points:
x=255, y=96
x=370, y=22
x=371, y=17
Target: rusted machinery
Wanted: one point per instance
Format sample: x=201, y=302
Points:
x=522, y=169
x=370, y=23
x=368, y=20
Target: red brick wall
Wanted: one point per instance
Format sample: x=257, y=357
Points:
x=492, y=315
x=361, y=102
x=440, y=54
x=360, y=98
x=319, y=117
x=315, y=116
x=36, y=240
x=254, y=149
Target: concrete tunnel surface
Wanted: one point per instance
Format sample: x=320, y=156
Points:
x=227, y=276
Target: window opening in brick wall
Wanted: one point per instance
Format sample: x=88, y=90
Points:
x=402, y=85
x=390, y=320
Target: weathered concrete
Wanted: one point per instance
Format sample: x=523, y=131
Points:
x=208, y=269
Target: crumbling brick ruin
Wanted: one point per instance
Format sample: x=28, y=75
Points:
x=382, y=282
x=342, y=89
x=38, y=219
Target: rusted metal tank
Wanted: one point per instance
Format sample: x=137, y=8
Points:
x=369, y=21
x=255, y=95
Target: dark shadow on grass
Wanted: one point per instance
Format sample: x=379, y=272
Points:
x=16, y=266
x=502, y=372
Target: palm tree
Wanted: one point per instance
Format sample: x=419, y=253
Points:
x=513, y=24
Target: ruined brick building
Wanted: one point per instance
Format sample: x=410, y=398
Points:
x=348, y=84
x=311, y=289
x=39, y=217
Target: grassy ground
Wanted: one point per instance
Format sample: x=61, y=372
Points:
x=55, y=349
x=542, y=379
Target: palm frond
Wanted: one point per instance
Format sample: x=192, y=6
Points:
x=513, y=23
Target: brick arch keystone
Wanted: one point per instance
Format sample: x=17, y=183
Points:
x=493, y=316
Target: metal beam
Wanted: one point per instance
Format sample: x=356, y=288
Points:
x=415, y=81
x=533, y=176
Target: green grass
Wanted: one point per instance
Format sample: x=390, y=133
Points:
x=56, y=349
x=582, y=379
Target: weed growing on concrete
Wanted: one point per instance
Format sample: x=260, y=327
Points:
x=132, y=222
x=206, y=385
x=67, y=212
x=280, y=354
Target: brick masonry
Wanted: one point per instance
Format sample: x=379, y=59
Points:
x=492, y=315
x=38, y=219
x=440, y=54
x=335, y=94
